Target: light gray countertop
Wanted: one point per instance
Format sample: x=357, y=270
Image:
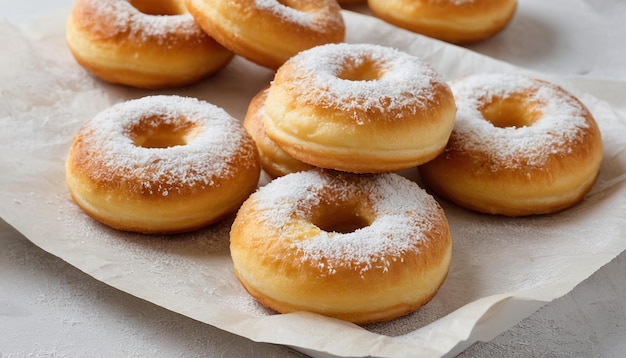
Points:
x=50, y=309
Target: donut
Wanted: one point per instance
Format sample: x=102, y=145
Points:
x=268, y=32
x=161, y=164
x=274, y=161
x=359, y=108
x=520, y=146
x=145, y=44
x=455, y=21
x=357, y=247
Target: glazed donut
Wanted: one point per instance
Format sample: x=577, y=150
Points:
x=362, y=248
x=268, y=32
x=161, y=164
x=520, y=146
x=455, y=21
x=274, y=161
x=359, y=108
x=146, y=44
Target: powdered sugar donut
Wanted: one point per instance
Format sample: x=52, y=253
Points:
x=359, y=108
x=268, y=32
x=520, y=146
x=456, y=21
x=362, y=248
x=161, y=164
x=148, y=44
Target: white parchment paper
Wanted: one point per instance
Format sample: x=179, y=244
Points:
x=503, y=269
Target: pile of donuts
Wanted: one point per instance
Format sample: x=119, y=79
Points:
x=127, y=42
x=337, y=231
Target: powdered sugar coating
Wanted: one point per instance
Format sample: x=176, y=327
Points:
x=405, y=82
x=112, y=18
x=215, y=142
x=403, y=214
x=314, y=17
x=561, y=124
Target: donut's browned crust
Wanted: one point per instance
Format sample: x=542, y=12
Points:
x=465, y=22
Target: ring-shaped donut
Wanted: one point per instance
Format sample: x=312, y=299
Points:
x=146, y=44
x=520, y=146
x=161, y=164
x=359, y=108
x=268, y=32
x=361, y=248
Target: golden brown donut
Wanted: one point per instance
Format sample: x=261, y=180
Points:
x=268, y=32
x=274, y=160
x=161, y=164
x=456, y=21
x=359, y=108
x=362, y=248
x=147, y=44
x=520, y=146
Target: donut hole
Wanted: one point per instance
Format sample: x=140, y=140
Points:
x=164, y=8
x=366, y=70
x=511, y=111
x=151, y=134
x=341, y=217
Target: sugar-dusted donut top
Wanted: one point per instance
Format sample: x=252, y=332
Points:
x=562, y=123
x=119, y=17
x=215, y=142
x=308, y=13
x=405, y=82
x=403, y=214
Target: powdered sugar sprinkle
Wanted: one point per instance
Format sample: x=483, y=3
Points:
x=209, y=153
x=561, y=123
x=313, y=17
x=113, y=18
x=405, y=82
x=403, y=213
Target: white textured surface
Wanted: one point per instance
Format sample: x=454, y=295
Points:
x=50, y=309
